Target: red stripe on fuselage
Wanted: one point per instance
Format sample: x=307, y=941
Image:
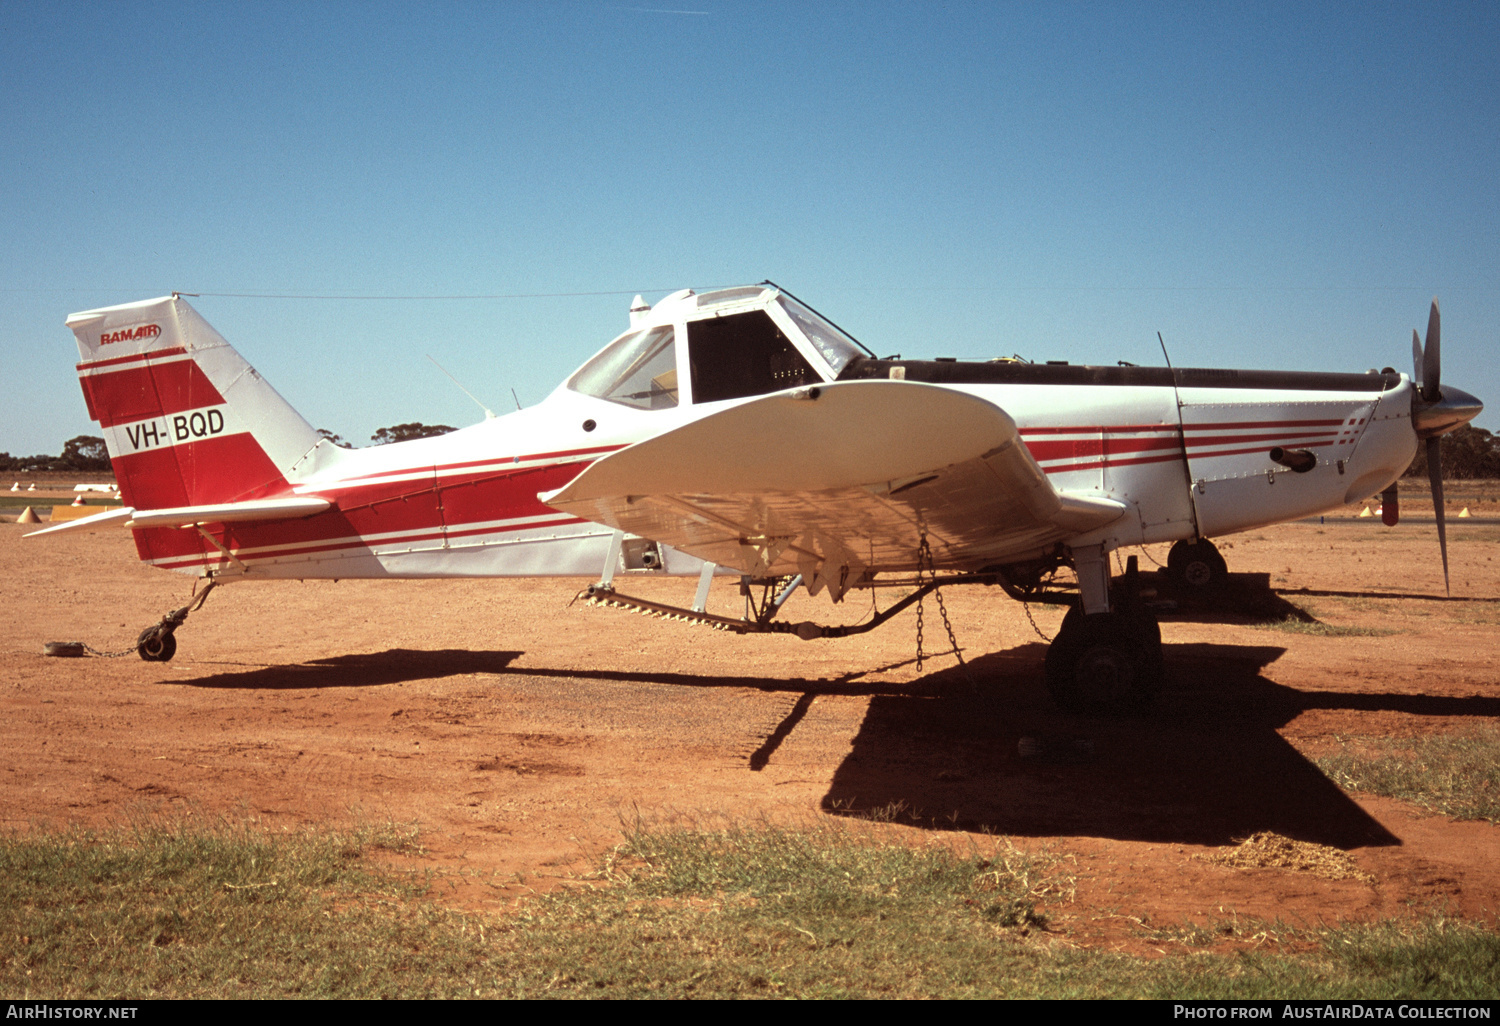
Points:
x=1101, y=446
x=1108, y=429
x=1311, y=443
x=428, y=508
x=212, y=557
x=1061, y=449
x=1097, y=464
x=1309, y=437
x=1126, y=429
x=1254, y=425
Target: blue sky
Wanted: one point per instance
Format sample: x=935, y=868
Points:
x=1268, y=185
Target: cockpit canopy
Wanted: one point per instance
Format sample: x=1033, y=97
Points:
x=741, y=342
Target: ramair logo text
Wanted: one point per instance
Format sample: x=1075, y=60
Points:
x=130, y=334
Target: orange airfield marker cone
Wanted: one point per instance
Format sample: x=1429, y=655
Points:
x=28, y=516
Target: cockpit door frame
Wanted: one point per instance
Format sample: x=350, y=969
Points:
x=684, y=367
x=794, y=334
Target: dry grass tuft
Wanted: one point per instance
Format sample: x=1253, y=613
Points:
x=1267, y=850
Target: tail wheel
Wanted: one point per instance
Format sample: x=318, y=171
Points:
x=1197, y=565
x=1105, y=663
x=157, y=647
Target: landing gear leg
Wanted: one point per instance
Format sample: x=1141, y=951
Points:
x=1105, y=660
x=1197, y=566
x=158, y=643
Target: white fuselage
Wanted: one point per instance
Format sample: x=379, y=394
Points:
x=1186, y=456
x=464, y=504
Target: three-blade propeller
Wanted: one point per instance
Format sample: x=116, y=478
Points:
x=1427, y=367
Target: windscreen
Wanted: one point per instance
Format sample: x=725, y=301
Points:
x=637, y=370
x=831, y=343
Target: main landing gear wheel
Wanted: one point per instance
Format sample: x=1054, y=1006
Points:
x=1105, y=663
x=1197, y=565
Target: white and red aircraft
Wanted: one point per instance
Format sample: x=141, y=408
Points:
x=740, y=430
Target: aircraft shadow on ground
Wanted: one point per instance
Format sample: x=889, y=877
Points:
x=393, y=666
x=1383, y=594
x=1249, y=598
x=400, y=665
x=1240, y=599
x=1205, y=767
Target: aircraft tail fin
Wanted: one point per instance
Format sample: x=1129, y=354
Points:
x=186, y=420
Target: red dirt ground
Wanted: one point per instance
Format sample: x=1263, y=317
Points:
x=520, y=734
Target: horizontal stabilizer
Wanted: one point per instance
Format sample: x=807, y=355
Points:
x=186, y=516
x=105, y=519
x=844, y=477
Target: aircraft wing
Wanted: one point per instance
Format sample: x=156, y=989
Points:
x=837, y=479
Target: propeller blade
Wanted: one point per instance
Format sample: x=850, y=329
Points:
x=1390, y=506
x=1432, y=357
x=1435, y=475
x=1416, y=358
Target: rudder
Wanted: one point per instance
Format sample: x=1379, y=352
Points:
x=187, y=421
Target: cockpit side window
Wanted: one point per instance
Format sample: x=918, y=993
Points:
x=637, y=370
x=741, y=355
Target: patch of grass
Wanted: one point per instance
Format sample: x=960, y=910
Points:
x=1358, y=605
x=1478, y=614
x=829, y=911
x=1481, y=533
x=1457, y=775
x=232, y=912
x=832, y=913
x=1434, y=957
x=1318, y=628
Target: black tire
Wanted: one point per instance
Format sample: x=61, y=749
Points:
x=1197, y=566
x=157, y=648
x=1140, y=620
x=1108, y=663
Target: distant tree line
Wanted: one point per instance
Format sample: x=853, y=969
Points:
x=406, y=432
x=87, y=454
x=84, y=453
x=394, y=433
x=1467, y=453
